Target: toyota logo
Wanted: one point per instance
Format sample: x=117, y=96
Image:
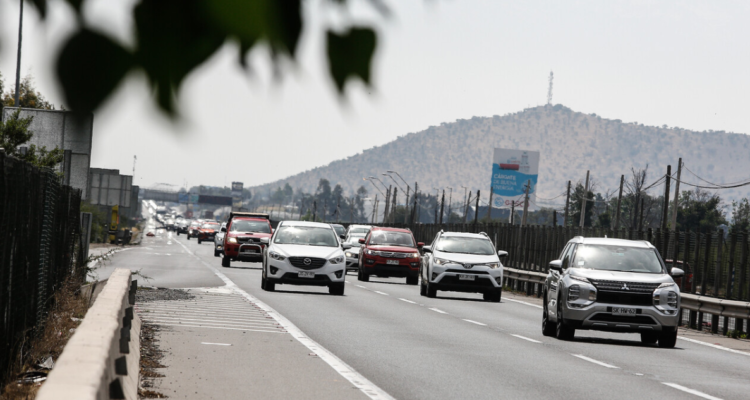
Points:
x=307, y=261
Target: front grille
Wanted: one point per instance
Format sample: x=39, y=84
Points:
x=625, y=287
x=247, y=239
x=467, y=271
x=391, y=254
x=314, y=263
x=630, y=299
x=453, y=280
x=637, y=319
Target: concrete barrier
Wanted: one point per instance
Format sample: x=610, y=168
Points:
x=101, y=360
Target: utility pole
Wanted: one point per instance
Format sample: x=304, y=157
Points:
x=134, y=160
x=489, y=207
x=442, y=207
x=416, y=203
x=665, y=208
x=676, y=196
x=406, y=205
x=392, y=218
x=315, y=210
x=583, y=201
x=512, y=211
x=526, y=203
x=18, y=58
x=567, y=206
x=476, y=209
x=619, y=201
x=466, y=202
x=640, y=215
x=554, y=218
x=466, y=210
x=374, y=209
x=450, y=199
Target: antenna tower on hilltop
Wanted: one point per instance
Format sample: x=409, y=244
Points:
x=549, y=91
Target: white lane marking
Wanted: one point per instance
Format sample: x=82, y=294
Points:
x=360, y=286
x=523, y=302
x=715, y=346
x=346, y=281
x=216, y=344
x=525, y=338
x=475, y=322
x=691, y=391
x=368, y=388
x=379, y=292
x=226, y=310
x=157, y=319
x=437, y=310
x=408, y=301
x=591, y=360
x=224, y=327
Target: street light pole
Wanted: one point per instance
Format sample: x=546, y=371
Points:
x=373, y=184
x=450, y=198
x=381, y=182
x=18, y=59
x=466, y=203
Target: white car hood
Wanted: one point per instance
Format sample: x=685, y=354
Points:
x=296, y=250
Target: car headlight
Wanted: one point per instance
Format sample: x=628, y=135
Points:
x=349, y=254
x=371, y=253
x=336, y=260
x=493, y=265
x=276, y=256
x=413, y=255
x=442, y=261
x=232, y=240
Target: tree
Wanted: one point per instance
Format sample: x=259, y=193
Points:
x=741, y=215
x=576, y=204
x=175, y=37
x=14, y=133
x=700, y=210
x=29, y=97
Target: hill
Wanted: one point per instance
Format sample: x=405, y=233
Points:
x=460, y=154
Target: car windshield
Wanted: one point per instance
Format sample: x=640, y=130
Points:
x=362, y=231
x=306, y=235
x=465, y=245
x=340, y=230
x=354, y=239
x=617, y=258
x=250, y=226
x=389, y=238
x=211, y=226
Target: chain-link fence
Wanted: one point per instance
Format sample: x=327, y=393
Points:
x=39, y=250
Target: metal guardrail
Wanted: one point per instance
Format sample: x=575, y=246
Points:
x=101, y=360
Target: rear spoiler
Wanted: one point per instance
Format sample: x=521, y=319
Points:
x=247, y=215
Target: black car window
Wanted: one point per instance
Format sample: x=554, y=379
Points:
x=250, y=226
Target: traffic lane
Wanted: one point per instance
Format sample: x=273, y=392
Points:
x=160, y=262
x=414, y=353
x=699, y=367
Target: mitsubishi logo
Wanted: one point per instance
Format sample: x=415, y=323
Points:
x=625, y=286
x=307, y=261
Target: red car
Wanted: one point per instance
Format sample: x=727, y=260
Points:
x=242, y=239
x=389, y=252
x=207, y=231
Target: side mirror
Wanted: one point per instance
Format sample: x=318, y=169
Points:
x=677, y=272
x=223, y=229
x=420, y=245
x=427, y=249
x=556, y=265
x=264, y=240
x=342, y=236
x=502, y=253
x=346, y=246
x=361, y=241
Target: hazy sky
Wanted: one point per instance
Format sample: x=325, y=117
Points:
x=682, y=64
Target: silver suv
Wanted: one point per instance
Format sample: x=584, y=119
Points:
x=611, y=285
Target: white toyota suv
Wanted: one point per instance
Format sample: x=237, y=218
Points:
x=304, y=253
x=462, y=262
x=612, y=285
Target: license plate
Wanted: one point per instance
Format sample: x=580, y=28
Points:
x=249, y=251
x=629, y=312
x=463, y=277
x=392, y=262
x=306, y=274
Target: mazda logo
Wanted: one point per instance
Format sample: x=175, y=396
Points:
x=307, y=261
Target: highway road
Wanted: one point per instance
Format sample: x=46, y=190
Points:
x=452, y=347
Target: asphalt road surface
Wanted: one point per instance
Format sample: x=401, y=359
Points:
x=452, y=347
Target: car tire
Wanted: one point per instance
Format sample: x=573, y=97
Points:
x=548, y=328
x=225, y=262
x=269, y=286
x=492, y=297
x=188, y=237
x=649, y=337
x=412, y=280
x=431, y=291
x=178, y=233
x=362, y=276
x=667, y=340
x=563, y=331
x=336, y=290
x=200, y=241
x=422, y=289
x=216, y=253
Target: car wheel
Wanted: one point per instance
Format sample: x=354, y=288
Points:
x=270, y=286
x=667, y=340
x=337, y=289
x=548, y=328
x=563, y=331
x=200, y=241
x=422, y=289
x=412, y=280
x=431, y=291
x=362, y=276
x=188, y=236
x=225, y=261
x=649, y=337
x=493, y=297
x=178, y=233
x=216, y=253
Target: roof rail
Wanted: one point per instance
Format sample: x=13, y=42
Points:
x=484, y=233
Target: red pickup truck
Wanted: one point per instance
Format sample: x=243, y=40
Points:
x=242, y=239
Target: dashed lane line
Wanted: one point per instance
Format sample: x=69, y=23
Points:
x=591, y=360
x=525, y=338
x=438, y=310
x=475, y=322
x=216, y=344
x=691, y=391
x=715, y=346
x=379, y=292
x=408, y=301
x=524, y=303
